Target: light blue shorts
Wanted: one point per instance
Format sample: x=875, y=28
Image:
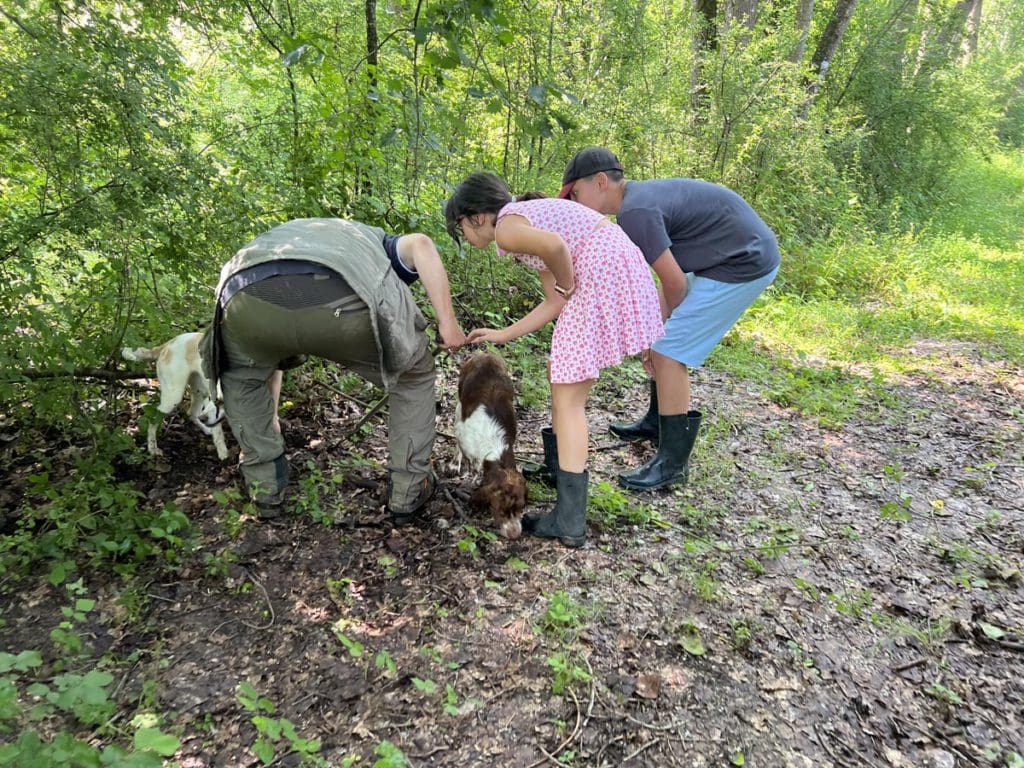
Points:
x=709, y=310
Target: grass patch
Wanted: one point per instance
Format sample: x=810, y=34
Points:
x=847, y=317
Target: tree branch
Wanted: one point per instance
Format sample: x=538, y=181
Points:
x=104, y=374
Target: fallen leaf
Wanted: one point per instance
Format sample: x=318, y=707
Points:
x=991, y=632
x=648, y=686
x=691, y=642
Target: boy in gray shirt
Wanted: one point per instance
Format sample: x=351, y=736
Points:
x=713, y=255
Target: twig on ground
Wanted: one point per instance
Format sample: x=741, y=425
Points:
x=345, y=395
x=597, y=760
x=568, y=739
x=270, y=607
x=368, y=415
x=640, y=749
x=434, y=751
x=824, y=745
x=652, y=726
x=910, y=665
x=937, y=735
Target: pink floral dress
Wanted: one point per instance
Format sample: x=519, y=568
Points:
x=614, y=311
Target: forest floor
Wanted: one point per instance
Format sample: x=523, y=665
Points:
x=846, y=596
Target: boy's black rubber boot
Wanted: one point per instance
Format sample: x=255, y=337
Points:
x=671, y=464
x=545, y=473
x=567, y=522
x=644, y=429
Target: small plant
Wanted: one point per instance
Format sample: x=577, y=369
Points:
x=354, y=647
x=897, y=511
x=468, y=543
x=390, y=756
x=273, y=732
x=450, y=703
x=742, y=634
x=941, y=693
x=313, y=487
x=893, y=472
x=567, y=671
x=64, y=635
x=807, y=589
x=230, y=500
x=384, y=661
x=564, y=616
x=83, y=696
x=852, y=603
x=611, y=507
x=390, y=565
x=800, y=655
x=425, y=685
x=92, y=515
x=690, y=639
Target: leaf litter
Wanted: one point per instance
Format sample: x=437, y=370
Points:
x=818, y=597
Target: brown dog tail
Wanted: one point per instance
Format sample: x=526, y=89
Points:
x=140, y=353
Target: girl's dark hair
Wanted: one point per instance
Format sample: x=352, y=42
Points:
x=478, y=193
x=530, y=196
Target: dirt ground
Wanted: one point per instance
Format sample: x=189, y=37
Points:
x=813, y=597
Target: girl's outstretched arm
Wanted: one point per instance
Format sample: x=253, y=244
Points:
x=534, y=320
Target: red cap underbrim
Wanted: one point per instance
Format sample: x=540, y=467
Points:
x=566, y=190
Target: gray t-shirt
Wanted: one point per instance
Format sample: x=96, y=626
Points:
x=711, y=231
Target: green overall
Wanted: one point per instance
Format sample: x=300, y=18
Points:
x=364, y=318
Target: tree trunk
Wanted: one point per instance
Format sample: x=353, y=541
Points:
x=804, y=13
x=705, y=41
x=829, y=44
x=973, y=25
x=742, y=11
x=372, y=43
x=365, y=182
x=944, y=45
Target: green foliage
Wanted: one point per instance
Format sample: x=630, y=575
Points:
x=469, y=542
x=564, y=617
x=567, y=671
x=83, y=697
x=611, y=507
x=274, y=733
x=389, y=756
x=91, y=516
x=139, y=151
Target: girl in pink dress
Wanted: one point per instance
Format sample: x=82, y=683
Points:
x=596, y=283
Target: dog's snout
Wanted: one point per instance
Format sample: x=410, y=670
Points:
x=212, y=416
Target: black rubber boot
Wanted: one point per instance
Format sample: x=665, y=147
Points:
x=644, y=429
x=567, y=522
x=670, y=465
x=545, y=473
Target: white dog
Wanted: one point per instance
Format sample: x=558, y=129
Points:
x=179, y=367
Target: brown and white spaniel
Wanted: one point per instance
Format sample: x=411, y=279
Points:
x=485, y=427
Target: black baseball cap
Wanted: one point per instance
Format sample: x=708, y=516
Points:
x=587, y=162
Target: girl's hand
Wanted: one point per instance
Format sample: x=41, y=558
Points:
x=493, y=335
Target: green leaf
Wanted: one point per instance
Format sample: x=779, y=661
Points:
x=991, y=632
x=154, y=740
x=263, y=750
x=691, y=642
x=537, y=93
x=427, y=686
